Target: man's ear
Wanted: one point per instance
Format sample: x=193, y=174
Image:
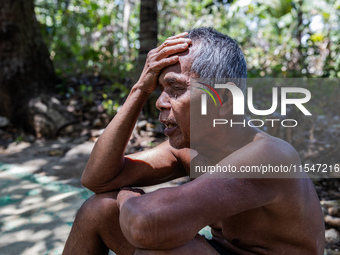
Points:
x=227, y=101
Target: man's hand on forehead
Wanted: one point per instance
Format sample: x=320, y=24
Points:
x=178, y=36
x=172, y=47
x=163, y=56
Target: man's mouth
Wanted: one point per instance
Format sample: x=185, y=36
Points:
x=169, y=126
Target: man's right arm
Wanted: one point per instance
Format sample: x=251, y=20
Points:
x=107, y=168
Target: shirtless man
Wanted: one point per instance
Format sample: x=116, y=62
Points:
x=247, y=215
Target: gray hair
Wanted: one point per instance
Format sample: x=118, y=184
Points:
x=217, y=56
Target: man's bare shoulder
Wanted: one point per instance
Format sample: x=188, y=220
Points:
x=273, y=149
x=262, y=153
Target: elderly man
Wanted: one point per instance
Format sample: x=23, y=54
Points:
x=246, y=215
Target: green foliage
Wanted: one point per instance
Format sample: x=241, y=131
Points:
x=112, y=96
x=110, y=107
x=86, y=93
x=87, y=36
x=280, y=38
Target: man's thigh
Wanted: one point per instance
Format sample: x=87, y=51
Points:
x=197, y=246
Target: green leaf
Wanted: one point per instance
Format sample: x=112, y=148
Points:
x=105, y=20
x=94, y=6
x=317, y=37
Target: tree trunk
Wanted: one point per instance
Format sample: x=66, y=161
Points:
x=26, y=72
x=148, y=41
x=148, y=30
x=148, y=26
x=126, y=19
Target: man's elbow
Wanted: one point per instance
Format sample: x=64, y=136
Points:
x=87, y=182
x=86, y=179
x=96, y=188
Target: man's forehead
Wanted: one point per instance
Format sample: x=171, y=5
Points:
x=181, y=70
x=186, y=59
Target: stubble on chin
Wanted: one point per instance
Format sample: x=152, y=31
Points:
x=178, y=144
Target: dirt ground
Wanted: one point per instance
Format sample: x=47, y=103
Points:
x=41, y=192
x=64, y=158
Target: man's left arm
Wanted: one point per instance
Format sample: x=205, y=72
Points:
x=171, y=217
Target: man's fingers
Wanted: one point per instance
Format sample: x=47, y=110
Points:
x=177, y=36
x=167, y=62
x=168, y=51
x=159, y=58
x=173, y=42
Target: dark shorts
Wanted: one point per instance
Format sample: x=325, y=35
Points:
x=219, y=248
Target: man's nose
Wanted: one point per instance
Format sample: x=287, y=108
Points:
x=163, y=102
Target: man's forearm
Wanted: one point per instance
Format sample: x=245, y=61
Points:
x=107, y=158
